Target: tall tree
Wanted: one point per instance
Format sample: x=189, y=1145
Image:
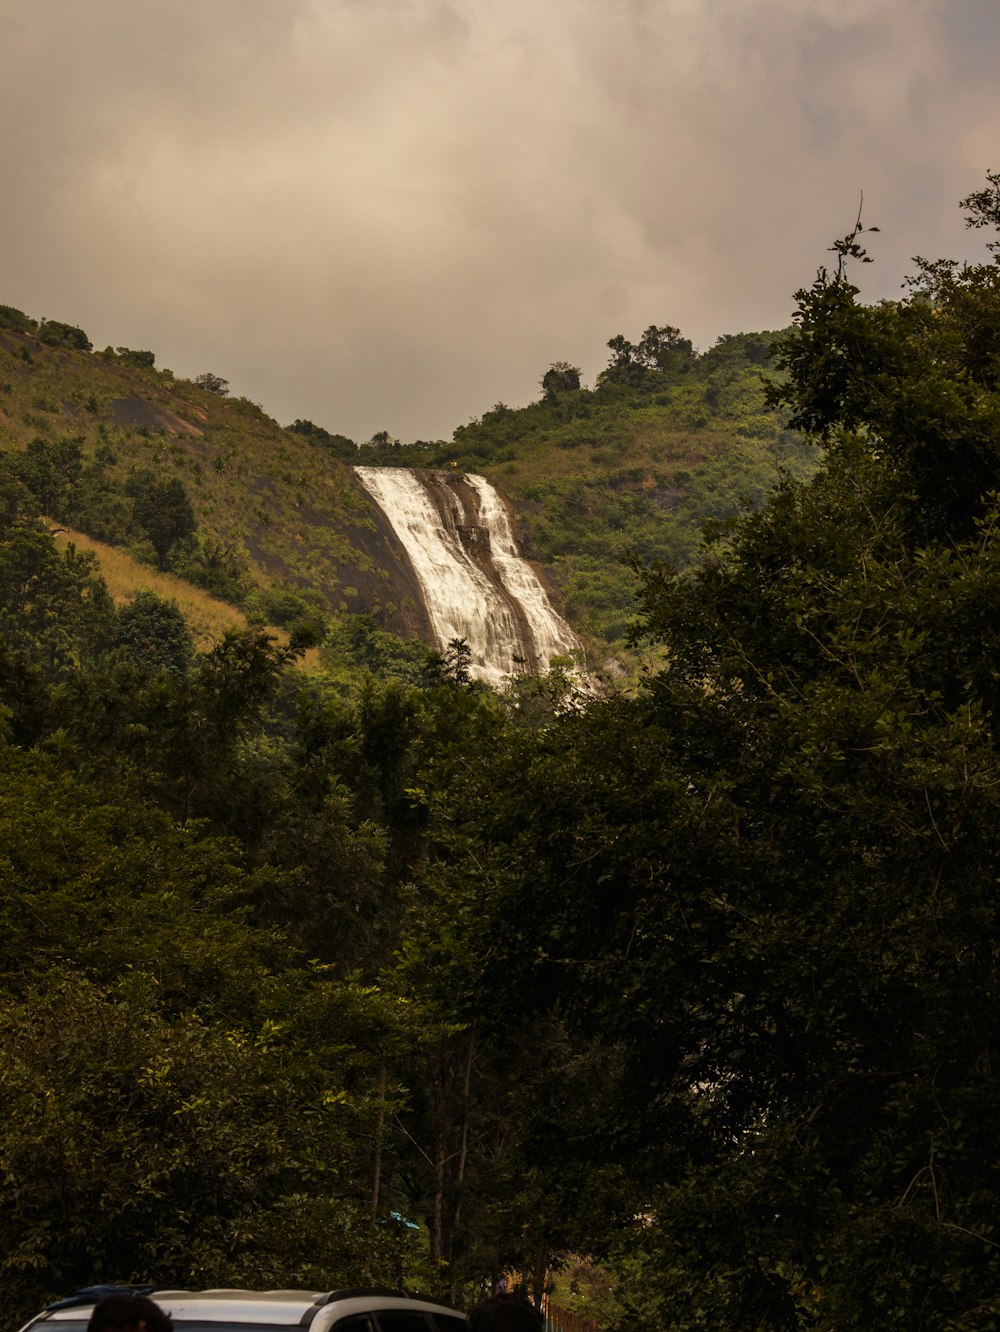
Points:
x=154, y=634
x=164, y=512
x=916, y=379
x=559, y=378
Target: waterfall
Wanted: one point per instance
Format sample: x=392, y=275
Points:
x=457, y=535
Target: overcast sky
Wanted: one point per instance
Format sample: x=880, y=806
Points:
x=391, y=214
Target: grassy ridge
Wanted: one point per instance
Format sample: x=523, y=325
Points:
x=208, y=618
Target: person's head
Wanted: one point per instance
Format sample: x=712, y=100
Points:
x=128, y=1313
x=506, y=1313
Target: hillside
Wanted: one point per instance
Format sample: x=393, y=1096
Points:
x=631, y=469
x=208, y=617
x=667, y=441
x=274, y=510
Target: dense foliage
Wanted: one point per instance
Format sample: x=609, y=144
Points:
x=767, y=888
x=702, y=982
x=204, y=858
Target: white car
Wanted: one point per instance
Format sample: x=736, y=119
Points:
x=271, y=1311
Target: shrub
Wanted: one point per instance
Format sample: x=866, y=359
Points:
x=55, y=334
x=16, y=320
x=143, y=359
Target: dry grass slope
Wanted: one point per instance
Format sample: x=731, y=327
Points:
x=125, y=576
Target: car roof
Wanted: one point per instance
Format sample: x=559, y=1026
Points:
x=272, y=1308
x=245, y=1306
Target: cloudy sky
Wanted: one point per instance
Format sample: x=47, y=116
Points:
x=391, y=214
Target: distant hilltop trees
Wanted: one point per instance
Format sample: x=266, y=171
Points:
x=54, y=333
x=50, y=331
x=212, y=383
x=144, y=360
x=561, y=377
x=339, y=445
x=660, y=351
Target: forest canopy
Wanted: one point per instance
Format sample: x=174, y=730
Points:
x=700, y=981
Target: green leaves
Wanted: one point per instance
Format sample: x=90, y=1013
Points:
x=919, y=377
x=163, y=511
x=762, y=896
x=174, y=1077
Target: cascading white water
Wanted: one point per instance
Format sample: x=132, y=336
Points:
x=551, y=635
x=474, y=583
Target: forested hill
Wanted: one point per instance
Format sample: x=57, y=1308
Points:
x=269, y=518
x=369, y=974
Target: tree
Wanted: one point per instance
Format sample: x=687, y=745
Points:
x=54, y=606
x=51, y=471
x=547, y=1129
x=661, y=349
x=836, y=719
x=55, y=334
x=213, y=384
x=154, y=634
x=356, y=643
x=339, y=445
x=622, y=352
x=187, y=735
x=164, y=512
x=917, y=379
x=219, y=567
x=561, y=377
x=183, y=1097
x=144, y=360
x=769, y=882
x=18, y=506
x=457, y=663
x=17, y=320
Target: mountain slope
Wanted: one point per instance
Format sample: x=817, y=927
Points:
x=272, y=507
x=630, y=469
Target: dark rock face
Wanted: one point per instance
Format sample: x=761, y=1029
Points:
x=387, y=584
x=136, y=412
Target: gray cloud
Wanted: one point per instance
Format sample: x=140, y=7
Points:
x=392, y=214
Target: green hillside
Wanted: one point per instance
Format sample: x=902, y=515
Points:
x=269, y=518
x=273, y=509
x=666, y=441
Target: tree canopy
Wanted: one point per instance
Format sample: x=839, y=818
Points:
x=701, y=979
x=767, y=885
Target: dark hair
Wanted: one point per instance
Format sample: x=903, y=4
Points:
x=506, y=1313
x=128, y=1313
